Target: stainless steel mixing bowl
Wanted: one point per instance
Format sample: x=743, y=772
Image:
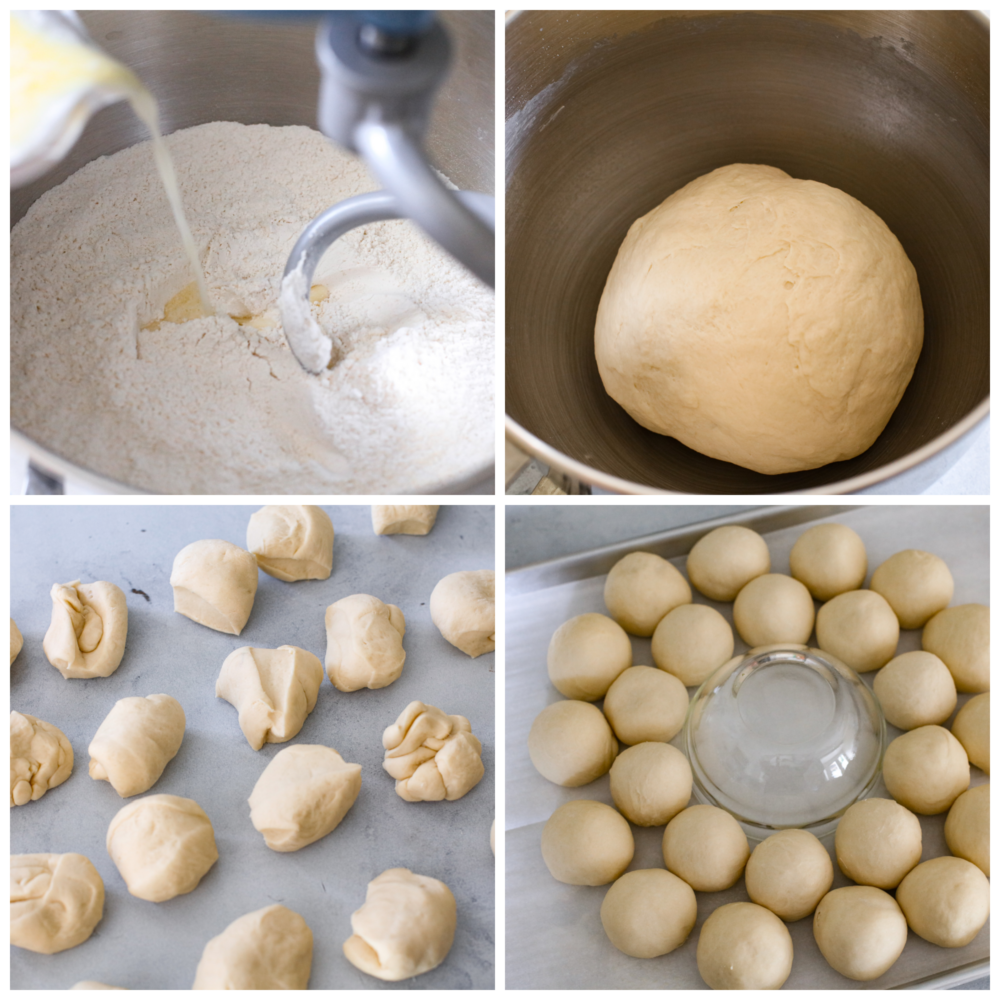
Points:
x=608, y=113
x=220, y=68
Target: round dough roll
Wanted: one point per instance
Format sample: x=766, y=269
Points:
x=41, y=757
x=571, y=743
x=462, y=608
x=404, y=519
x=915, y=689
x=789, y=873
x=214, y=584
x=292, y=541
x=916, y=584
x=877, y=842
x=586, y=843
x=946, y=901
x=692, y=642
x=648, y=913
x=926, y=769
x=364, y=643
x=743, y=946
x=829, y=559
x=586, y=654
x=641, y=588
x=859, y=628
x=646, y=705
x=651, y=783
x=86, y=637
x=961, y=637
x=972, y=729
x=706, y=847
x=721, y=563
x=774, y=608
x=860, y=930
x=967, y=828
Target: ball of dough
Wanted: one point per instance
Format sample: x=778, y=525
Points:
x=967, y=828
x=743, y=946
x=214, y=584
x=877, y=842
x=41, y=757
x=915, y=689
x=405, y=927
x=789, y=873
x=926, y=769
x=404, y=518
x=648, y=913
x=586, y=843
x=162, y=845
x=961, y=637
x=692, y=642
x=972, y=729
x=646, y=705
x=651, y=783
x=945, y=900
x=774, y=608
x=829, y=559
x=641, y=588
x=859, y=628
x=269, y=949
x=586, y=654
x=916, y=584
x=292, y=541
x=706, y=847
x=364, y=643
x=86, y=637
x=16, y=641
x=571, y=743
x=860, y=930
x=761, y=320
x=463, y=610
x=721, y=563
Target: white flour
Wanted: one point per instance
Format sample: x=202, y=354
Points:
x=210, y=406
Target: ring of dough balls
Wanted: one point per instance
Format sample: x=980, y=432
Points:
x=86, y=637
x=692, y=642
x=829, y=559
x=706, y=847
x=877, y=842
x=961, y=637
x=916, y=584
x=649, y=912
x=789, y=873
x=292, y=541
x=462, y=607
x=214, y=584
x=41, y=757
x=915, y=689
x=721, y=563
x=967, y=828
x=364, y=643
x=650, y=783
x=972, y=729
x=16, y=641
x=404, y=519
x=946, y=901
x=743, y=946
x=571, y=743
x=586, y=655
x=641, y=588
x=587, y=843
x=859, y=628
x=646, y=705
x=774, y=608
x=926, y=769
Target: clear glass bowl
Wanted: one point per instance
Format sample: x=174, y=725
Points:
x=784, y=736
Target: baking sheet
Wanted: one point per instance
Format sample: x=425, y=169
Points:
x=554, y=937
x=143, y=945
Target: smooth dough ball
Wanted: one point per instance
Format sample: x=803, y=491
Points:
x=16, y=641
x=961, y=637
x=587, y=843
x=945, y=900
x=774, y=608
x=860, y=930
x=877, y=842
x=648, y=913
x=761, y=320
x=404, y=518
x=743, y=946
x=41, y=757
x=646, y=705
x=86, y=637
x=789, y=873
x=915, y=689
x=641, y=588
x=651, y=783
x=162, y=845
x=721, y=563
x=972, y=729
x=462, y=608
x=706, y=847
x=364, y=643
x=571, y=743
x=926, y=769
x=916, y=584
x=292, y=541
x=692, y=642
x=269, y=949
x=214, y=584
x=56, y=901
x=829, y=559
x=405, y=927
x=586, y=654
x=859, y=628
x=967, y=828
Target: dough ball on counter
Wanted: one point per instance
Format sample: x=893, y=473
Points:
x=692, y=642
x=859, y=628
x=571, y=743
x=292, y=542
x=774, y=608
x=41, y=757
x=915, y=689
x=860, y=930
x=926, y=769
x=961, y=637
x=972, y=729
x=86, y=637
x=364, y=643
x=789, y=873
x=214, y=584
x=404, y=518
x=945, y=900
x=651, y=783
x=648, y=913
x=641, y=588
x=877, y=842
x=967, y=828
x=646, y=705
x=16, y=641
x=586, y=843
x=586, y=654
x=743, y=946
x=706, y=847
x=829, y=559
x=462, y=607
x=916, y=584
x=721, y=563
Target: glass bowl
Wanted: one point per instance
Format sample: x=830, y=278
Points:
x=784, y=736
